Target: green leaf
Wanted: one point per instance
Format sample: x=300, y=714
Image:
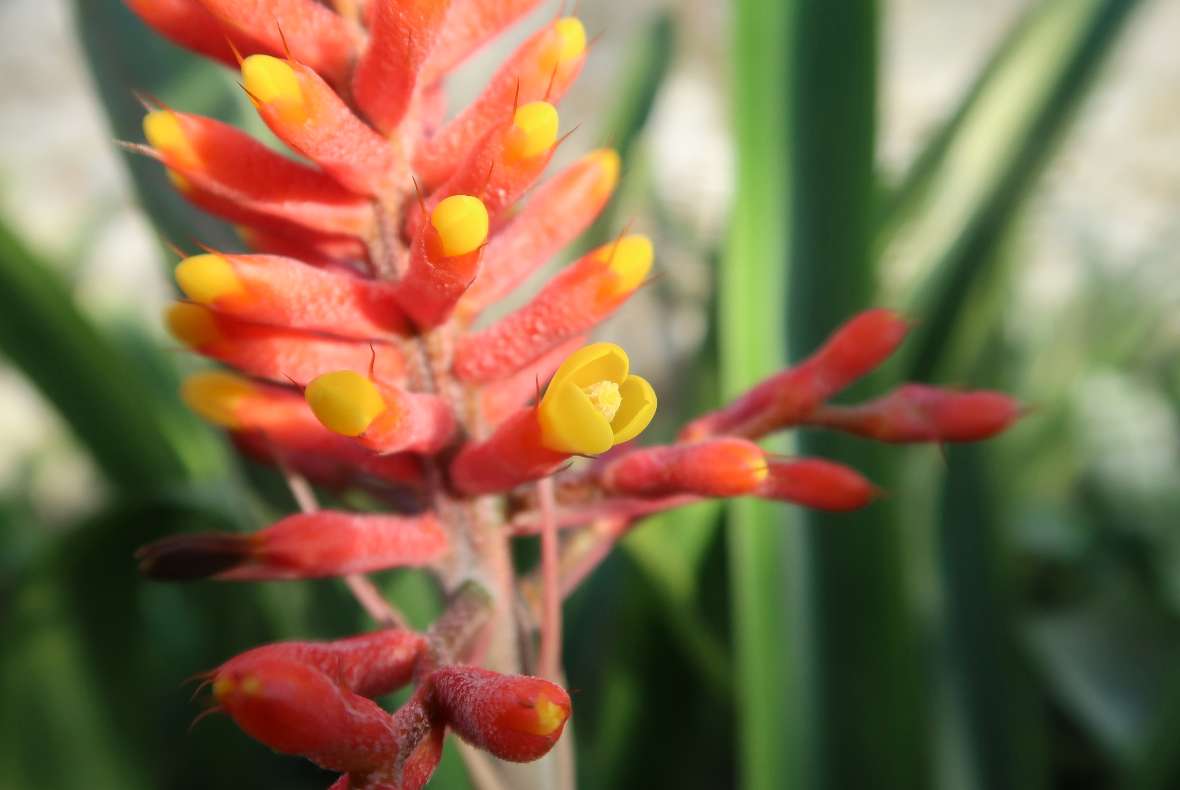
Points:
x=764, y=551
x=869, y=714
x=91, y=385
x=954, y=207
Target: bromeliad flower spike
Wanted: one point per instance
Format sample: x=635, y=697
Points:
x=349, y=327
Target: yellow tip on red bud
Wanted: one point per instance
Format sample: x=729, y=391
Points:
x=462, y=224
x=606, y=161
x=215, y=396
x=192, y=324
x=534, y=130
x=550, y=716
x=592, y=403
x=164, y=133
x=222, y=687
x=181, y=183
x=207, y=278
x=272, y=81
x=629, y=259
x=345, y=402
x=573, y=38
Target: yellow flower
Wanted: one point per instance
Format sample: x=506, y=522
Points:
x=593, y=404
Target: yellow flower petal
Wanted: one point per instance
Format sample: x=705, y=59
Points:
x=636, y=411
x=571, y=423
x=591, y=364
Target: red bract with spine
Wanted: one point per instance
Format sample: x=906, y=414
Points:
x=349, y=324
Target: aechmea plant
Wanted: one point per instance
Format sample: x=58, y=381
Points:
x=349, y=327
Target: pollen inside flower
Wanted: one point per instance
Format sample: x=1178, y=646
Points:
x=605, y=397
x=270, y=80
x=345, y=402
x=207, y=278
x=462, y=224
x=164, y=133
x=534, y=130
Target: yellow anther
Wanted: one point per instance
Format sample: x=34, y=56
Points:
x=272, y=81
x=534, y=130
x=192, y=324
x=345, y=402
x=629, y=259
x=604, y=396
x=550, y=716
x=462, y=224
x=207, y=278
x=606, y=161
x=164, y=133
x=251, y=685
x=216, y=396
x=222, y=687
x=579, y=413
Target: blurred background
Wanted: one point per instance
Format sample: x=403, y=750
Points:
x=1008, y=617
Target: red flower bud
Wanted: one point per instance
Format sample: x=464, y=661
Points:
x=268, y=289
x=788, y=397
x=919, y=413
x=514, y=717
x=716, y=467
x=275, y=353
x=577, y=299
x=296, y=709
x=371, y=665
x=301, y=546
x=822, y=485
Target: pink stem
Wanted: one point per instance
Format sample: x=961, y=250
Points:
x=549, y=661
x=531, y=522
x=361, y=586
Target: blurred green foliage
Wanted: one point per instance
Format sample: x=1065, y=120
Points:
x=1008, y=618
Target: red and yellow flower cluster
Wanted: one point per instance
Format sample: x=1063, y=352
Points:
x=350, y=326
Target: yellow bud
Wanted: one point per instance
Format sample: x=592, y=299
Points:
x=215, y=396
x=629, y=259
x=760, y=469
x=606, y=160
x=222, y=687
x=573, y=37
x=462, y=224
x=164, y=133
x=207, y=278
x=534, y=130
x=272, y=81
x=550, y=716
x=192, y=324
x=566, y=45
x=592, y=403
x=251, y=685
x=345, y=402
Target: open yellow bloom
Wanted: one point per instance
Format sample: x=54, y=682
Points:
x=592, y=403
